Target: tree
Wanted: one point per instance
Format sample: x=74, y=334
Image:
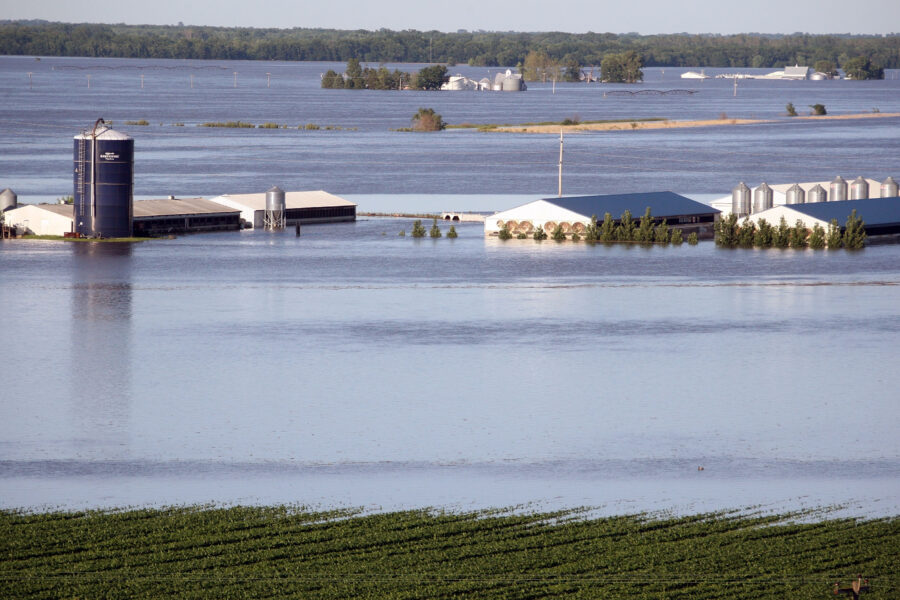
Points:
x=826, y=66
x=332, y=80
x=622, y=68
x=791, y=111
x=354, y=79
x=625, y=230
x=798, y=235
x=817, y=237
x=427, y=120
x=608, y=229
x=418, y=230
x=854, y=232
x=644, y=233
x=764, y=234
x=592, y=232
x=693, y=240
x=435, y=230
x=539, y=233
x=818, y=109
x=860, y=67
x=676, y=238
x=782, y=235
x=539, y=66
x=726, y=231
x=431, y=78
x=504, y=233
x=833, y=238
x=746, y=234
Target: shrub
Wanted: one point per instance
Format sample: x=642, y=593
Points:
x=504, y=232
x=229, y=124
x=693, y=240
x=309, y=127
x=791, y=111
x=662, y=232
x=435, y=230
x=418, y=230
x=818, y=109
x=269, y=125
x=592, y=232
x=676, y=237
x=817, y=237
x=558, y=234
x=521, y=236
x=539, y=233
x=427, y=120
x=576, y=237
x=142, y=122
x=452, y=233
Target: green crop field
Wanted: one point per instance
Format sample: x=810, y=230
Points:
x=284, y=552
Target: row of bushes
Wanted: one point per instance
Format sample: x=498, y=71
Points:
x=731, y=234
x=270, y=125
x=625, y=230
x=418, y=230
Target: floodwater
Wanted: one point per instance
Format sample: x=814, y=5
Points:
x=354, y=367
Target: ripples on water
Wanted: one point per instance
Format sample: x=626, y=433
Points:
x=354, y=367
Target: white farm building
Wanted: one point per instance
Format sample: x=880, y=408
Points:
x=574, y=213
x=300, y=207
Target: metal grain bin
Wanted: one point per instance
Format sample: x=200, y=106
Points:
x=104, y=182
x=889, y=188
x=9, y=199
x=740, y=200
x=817, y=194
x=837, y=190
x=795, y=195
x=275, y=199
x=762, y=198
x=859, y=189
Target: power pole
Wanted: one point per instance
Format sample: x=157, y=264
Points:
x=559, y=190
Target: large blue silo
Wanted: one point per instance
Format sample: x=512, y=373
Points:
x=104, y=182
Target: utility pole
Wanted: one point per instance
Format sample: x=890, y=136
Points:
x=142, y=81
x=29, y=80
x=192, y=81
x=735, y=87
x=235, y=79
x=559, y=190
x=268, y=75
x=89, y=81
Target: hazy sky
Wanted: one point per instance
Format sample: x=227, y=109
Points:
x=643, y=16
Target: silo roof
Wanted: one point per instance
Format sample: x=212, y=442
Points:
x=662, y=204
x=106, y=134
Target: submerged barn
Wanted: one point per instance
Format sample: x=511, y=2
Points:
x=574, y=213
x=299, y=207
x=880, y=215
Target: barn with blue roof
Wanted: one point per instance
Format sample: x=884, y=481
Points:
x=881, y=216
x=574, y=213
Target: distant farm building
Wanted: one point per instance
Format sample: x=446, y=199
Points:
x=881, y=215
x=300, y=207
x=573, y=214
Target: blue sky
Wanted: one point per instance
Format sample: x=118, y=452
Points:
x=642, y=16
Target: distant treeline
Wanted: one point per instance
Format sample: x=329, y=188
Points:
x=476, y=48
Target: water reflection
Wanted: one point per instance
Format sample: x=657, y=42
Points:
x=100, y=350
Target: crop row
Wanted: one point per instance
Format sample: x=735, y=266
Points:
x=201, y=552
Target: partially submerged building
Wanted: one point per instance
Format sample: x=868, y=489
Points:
x=786, y=193
x=300, y=207
x=574, y=213
x=880, y=215
x=151, y=217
